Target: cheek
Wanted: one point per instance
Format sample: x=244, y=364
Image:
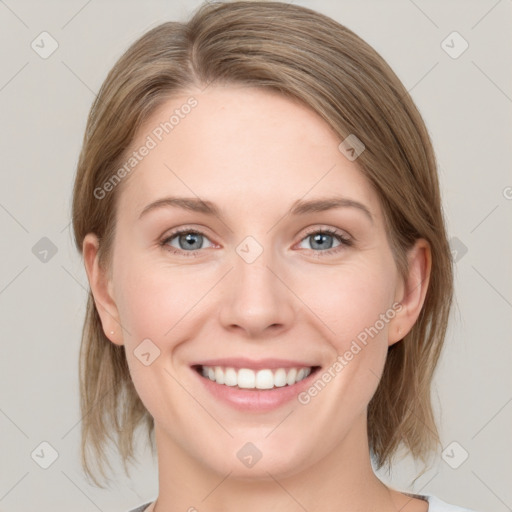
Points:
x=150, y=307
x=354, y=308
x=352, y=299
x=150, y=301
x=350, y=306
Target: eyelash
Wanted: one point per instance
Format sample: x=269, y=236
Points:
x=344, y=241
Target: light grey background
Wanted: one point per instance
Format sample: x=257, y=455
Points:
x=466, y=103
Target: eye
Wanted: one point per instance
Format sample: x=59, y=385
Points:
x=322, y=240
x=184, y=241
x=189, y=242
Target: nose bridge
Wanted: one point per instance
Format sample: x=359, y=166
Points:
x=257, y=298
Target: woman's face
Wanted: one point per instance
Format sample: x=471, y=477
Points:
x=272, y=285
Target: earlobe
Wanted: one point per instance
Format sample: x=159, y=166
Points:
x=101, y=289
x=412, y=291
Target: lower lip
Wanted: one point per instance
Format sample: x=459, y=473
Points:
x=256, y=400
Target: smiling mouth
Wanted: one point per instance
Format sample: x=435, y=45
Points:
x=247, y=379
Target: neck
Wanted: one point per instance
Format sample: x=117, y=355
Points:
x=344, y=480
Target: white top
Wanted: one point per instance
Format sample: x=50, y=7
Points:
x=437, y=505
x=434, y=504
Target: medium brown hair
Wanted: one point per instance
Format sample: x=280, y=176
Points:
x=309, y=57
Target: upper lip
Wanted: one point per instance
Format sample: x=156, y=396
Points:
x=260, y=364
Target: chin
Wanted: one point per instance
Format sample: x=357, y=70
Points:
x=259, y=460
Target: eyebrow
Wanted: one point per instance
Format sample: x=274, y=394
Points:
x=299, y=207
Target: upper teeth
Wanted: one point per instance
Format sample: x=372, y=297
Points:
x=260, y=379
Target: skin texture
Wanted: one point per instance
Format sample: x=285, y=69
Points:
x=254, y=153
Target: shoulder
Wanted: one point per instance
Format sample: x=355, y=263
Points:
x=437, y=505
x=434, y=504
x=141, y=508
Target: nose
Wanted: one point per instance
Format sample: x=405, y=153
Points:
x=257, y=300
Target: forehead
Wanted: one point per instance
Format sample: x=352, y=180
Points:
x=242, y=146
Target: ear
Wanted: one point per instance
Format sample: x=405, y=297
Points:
x=101, y=288
x=411, y=291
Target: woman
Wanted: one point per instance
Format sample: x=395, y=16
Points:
x=259, y=213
